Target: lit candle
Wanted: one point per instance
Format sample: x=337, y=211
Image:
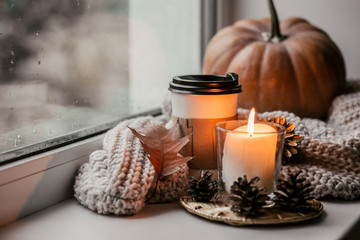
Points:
x=250, y=150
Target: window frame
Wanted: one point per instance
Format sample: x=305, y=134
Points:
x=207, y=30
x=66, y=139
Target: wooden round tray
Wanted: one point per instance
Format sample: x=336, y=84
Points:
x=218, y=211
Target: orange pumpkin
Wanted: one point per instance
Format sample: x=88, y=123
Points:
x=296, y=67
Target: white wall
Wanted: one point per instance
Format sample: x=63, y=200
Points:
x=164, y=41
x=339, y=18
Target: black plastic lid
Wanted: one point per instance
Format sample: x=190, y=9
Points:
x=206, y=84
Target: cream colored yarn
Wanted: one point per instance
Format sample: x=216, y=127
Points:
x=118, y=179
x=329, y=154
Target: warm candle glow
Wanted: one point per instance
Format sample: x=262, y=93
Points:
x=251, y=121
x=250, y=150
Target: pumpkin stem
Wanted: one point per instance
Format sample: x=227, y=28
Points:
x=276, y=35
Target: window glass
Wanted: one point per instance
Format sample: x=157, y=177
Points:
x=68, y=67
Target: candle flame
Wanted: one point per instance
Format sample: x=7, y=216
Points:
x=251, y=121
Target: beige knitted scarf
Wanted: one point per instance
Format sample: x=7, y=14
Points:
x=329, y=155
x=119, y=178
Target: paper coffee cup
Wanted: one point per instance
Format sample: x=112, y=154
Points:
x=198, y=103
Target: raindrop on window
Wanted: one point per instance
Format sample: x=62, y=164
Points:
x=34, y=131
x=39, y=62
x=19, y=137
x=12, y=5
x=37, y=33
x=12, y=52
x=12, y=61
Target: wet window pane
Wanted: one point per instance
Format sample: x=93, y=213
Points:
x=69, y=66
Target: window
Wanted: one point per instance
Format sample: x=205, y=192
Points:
x=73, y=68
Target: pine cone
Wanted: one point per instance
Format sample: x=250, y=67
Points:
x=247, y=197
x=293, y=195
x=203, y=188
x=292, y=141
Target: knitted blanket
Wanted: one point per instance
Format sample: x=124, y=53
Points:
x=329, y=155
x=119, y=178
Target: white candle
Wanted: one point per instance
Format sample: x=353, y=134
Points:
x=250, y=152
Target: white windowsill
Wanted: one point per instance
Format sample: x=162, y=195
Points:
x=70, y=220
x=37, y=182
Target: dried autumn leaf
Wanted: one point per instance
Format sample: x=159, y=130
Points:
x=163, y=147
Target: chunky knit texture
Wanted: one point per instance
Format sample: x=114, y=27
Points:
x=329, y=155
x=118, y=179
